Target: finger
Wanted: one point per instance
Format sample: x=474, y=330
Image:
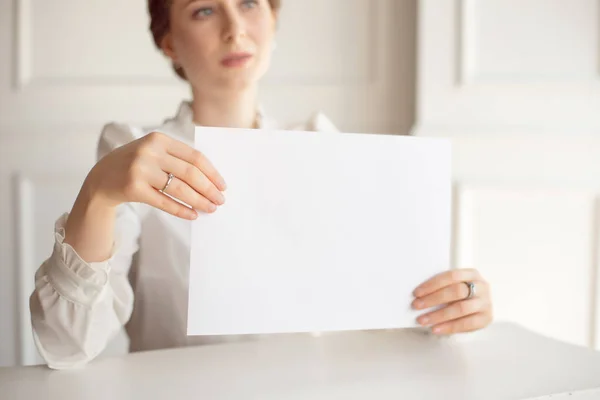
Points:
x=449, y=294
x=168, y=205
x=447, y=278
x=453, y=311
x=179, y=190
x=193, y=177
x=468, y=323
x=192, y=156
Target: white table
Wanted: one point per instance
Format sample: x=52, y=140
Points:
x=504, y=362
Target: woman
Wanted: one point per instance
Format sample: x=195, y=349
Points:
x=127, y=239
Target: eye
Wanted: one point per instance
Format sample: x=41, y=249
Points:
x=250, y=4
x=203, y=12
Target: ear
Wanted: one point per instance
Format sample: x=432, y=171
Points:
x=166, y=45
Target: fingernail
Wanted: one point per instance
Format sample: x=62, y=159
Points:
x=423, y=320
x=438, y=329
x=418, y=303
x=212, y=208
x=418, y=292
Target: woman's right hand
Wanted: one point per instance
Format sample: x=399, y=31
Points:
x=138, y=171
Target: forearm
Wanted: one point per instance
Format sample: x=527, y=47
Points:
x=90, y=226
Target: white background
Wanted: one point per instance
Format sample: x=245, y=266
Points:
x=513, y=83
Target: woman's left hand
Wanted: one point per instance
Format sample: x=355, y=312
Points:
x=458, y=313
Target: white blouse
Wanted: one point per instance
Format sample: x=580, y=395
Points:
x=78, y=307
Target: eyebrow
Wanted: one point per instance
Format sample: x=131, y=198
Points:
x=192, y=1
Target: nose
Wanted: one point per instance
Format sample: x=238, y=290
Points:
x=234, y=27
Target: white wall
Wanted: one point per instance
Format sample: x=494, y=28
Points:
x=514, y=84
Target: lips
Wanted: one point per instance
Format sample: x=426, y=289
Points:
x=236, y=59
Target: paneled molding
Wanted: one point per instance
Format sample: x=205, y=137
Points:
x=22, y=54
x=25, y=76
x=24, y=69
x=466, y=68
x=595, y=279
x=465, y=33
x=24, y=224
x=39, y=198
x=467, y=249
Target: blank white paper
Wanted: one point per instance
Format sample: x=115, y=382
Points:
x=320, y=231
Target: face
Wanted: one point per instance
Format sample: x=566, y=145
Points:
x=221, y=44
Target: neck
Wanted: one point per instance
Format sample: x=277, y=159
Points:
x=236, y=110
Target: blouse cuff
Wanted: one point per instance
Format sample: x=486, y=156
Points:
x=70, y=275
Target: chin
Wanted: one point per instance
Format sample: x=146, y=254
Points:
x=240, y=79
x=236, y=84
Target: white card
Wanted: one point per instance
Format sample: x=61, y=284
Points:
x=320, y=231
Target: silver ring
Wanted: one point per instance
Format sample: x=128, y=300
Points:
x=169, y=180
x=472, y=290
